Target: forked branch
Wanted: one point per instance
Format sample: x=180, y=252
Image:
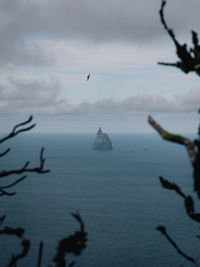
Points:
x=25, y=168
x=17, y=129
x=72, y=244
x=189, y=59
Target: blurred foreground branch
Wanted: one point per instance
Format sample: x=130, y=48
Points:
x=175, y=138
x=189, y=58
x=163, y=230
x=72, y=244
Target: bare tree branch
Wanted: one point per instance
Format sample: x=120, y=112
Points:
x=25, y=249
x=188, y=200
x=189, y=205
x=24, y=169
x=77, y=216
x=19, y=232
x=172, y=186
x=13, y=231
x=15, y=132
x=14, y=183
x=39, y=262
x=175, y=138
x=3, y=193
x=5, y=152
x=169, y=64
x=162, y=229
x=72, y=244
x=162, y=18
x=193, y=153
x=189, y=59
x=196, y=165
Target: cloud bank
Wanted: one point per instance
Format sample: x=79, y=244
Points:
x=38, y=97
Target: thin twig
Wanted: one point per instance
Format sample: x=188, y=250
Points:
x=5, y=193
x=24, y=169
x=21, y=124
x=5, y=152
x=40, y=254
x=162, y=229
x=72, y=244
x=14, y=183
x=13, y=231
x=169, y=64
x=77, y=216
x=25, y=249
x=15, y=132
x=162, y=18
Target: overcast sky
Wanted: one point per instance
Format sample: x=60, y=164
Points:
x=48, y=48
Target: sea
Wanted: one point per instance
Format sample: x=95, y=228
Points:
x=117, y=193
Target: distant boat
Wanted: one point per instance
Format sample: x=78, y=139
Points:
x=102, y=141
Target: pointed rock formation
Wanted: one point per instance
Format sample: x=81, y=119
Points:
x=102, y=141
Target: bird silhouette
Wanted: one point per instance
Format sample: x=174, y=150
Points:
x=88, y=77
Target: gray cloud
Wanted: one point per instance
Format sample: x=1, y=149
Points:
x=42, y=98
x=118, y=20
x=30, y=97
x=18, y=21
x=135, y=21
x=186, y=103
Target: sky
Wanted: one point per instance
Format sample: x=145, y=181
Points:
x=49, y=47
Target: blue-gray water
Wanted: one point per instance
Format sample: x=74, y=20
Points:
x=117, y=193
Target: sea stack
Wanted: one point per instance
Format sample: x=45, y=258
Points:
x=102, y=141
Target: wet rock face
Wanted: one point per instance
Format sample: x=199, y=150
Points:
x=102, y=141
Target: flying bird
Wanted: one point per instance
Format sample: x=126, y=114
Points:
x=88, y=77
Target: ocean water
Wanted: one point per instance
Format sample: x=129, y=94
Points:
x=117, y=193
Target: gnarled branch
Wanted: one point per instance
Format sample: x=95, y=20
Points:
x=188, y=200
x=171, y=186
x=175, y=138
x=189, y=59
x=72, y=244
